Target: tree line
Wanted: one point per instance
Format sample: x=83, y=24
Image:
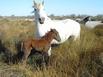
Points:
x=52, y=16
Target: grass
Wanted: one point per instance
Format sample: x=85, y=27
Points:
x=70, y=59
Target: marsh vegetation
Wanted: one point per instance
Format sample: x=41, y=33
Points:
x=67, y=60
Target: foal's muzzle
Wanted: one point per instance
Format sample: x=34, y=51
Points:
x=58, y=38
x=41, y=20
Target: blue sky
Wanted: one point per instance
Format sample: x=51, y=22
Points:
x=56, y=7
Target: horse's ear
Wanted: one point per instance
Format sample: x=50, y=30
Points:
x=34, y=2
x=43, y=2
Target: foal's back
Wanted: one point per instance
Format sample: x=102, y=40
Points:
x=39, y=44
x=35, y=43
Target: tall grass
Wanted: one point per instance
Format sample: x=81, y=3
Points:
x=70, y=59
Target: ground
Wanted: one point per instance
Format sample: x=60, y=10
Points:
x=69, y=59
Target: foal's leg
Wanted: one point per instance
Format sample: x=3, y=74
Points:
x=47, y=59
x=43, y=59
x=25, y=56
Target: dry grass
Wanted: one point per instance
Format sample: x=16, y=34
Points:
x=70, y=59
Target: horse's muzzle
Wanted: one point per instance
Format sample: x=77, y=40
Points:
x=41, y=20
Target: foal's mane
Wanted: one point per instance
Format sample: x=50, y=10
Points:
x=48, y=35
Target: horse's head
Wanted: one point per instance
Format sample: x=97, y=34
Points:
x=40, y=14
x=55, y=35
x=85, y=19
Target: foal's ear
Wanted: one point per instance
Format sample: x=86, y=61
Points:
x=51, y=30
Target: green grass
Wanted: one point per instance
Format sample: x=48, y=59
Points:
x=70, y=59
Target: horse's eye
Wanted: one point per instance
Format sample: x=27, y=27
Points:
x=35, y=9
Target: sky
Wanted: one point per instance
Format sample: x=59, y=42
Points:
x=56, y=7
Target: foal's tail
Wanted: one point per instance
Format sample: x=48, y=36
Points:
x=22, y=46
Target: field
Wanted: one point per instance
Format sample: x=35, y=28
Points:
x=70, y=59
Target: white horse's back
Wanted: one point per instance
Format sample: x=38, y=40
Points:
x=92, y=24
x=67, y=28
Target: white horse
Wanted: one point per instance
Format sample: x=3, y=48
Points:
x=89, y=23
x=66, y=28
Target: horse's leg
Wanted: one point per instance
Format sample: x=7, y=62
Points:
x=49, y=51
x=77, y=38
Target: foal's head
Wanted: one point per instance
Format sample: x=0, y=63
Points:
x=40, y=14
x=53, y=33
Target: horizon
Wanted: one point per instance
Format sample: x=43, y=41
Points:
x=62, y=7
